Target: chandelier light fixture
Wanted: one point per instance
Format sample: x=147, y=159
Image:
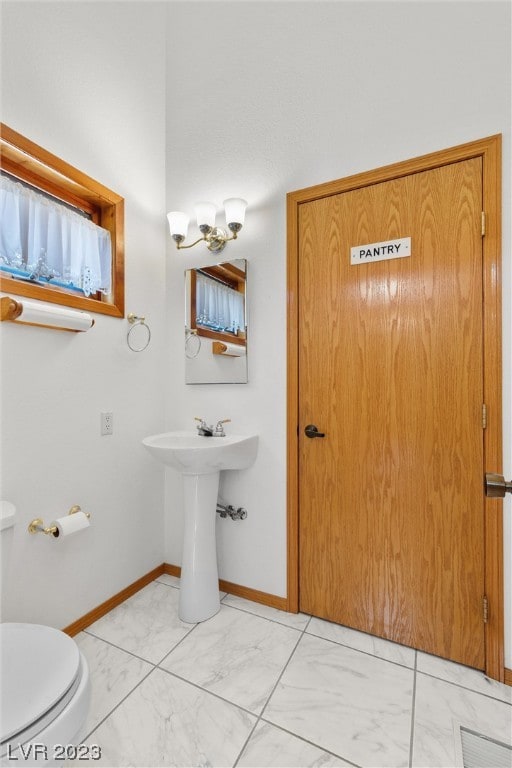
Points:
x=214, y=237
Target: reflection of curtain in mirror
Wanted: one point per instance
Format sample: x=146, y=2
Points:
x=42, y=238
x=219, y=306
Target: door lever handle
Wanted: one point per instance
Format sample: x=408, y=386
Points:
x=496, y=486
x=312, y=431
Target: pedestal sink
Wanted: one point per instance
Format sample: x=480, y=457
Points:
x=200, y=461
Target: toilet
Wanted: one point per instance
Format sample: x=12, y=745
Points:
x=45, y=687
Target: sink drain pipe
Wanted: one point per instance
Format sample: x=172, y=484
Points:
x=230, y=511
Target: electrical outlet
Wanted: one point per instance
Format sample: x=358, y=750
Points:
x=107, y=423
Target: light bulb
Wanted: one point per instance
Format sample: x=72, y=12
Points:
x=205, y=213
x=178, y=224
x=234, y=208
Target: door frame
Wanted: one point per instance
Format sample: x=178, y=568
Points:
x=489, y=150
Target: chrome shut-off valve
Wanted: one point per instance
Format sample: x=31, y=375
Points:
x=230, y=511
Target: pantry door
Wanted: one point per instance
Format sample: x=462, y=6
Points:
x=391, y=416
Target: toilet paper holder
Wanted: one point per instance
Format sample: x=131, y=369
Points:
x=37, y=525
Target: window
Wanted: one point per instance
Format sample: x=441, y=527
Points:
x=61, y=237
x=217, y=308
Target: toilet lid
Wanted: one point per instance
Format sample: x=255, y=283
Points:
x=38, y=666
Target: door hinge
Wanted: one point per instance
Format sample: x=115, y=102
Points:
x=483, y=223
x=486, y=609
x=484, y=416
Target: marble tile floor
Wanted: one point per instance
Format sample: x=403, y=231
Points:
x=255, y=687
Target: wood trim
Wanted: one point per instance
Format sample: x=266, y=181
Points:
x=489, y=149
x=227, y=274
x=478, y=148
x=52, y=187
x=43, y=163
x=54, y=327
x=54, y=296
x=292, y=406
x=264, y=598
x=112, y=218
x=172, y=570
x=491, y=195
x=104, y=608
x=10, y=309
x=206, y=333
x=192, y=320
x=28, y=161
x=221, y=348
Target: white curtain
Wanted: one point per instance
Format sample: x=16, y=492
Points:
x=218, y=305
x=40, y=237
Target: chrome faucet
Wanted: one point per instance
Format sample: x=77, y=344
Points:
x=208, y=431
x=203, y=428
x=219, y=429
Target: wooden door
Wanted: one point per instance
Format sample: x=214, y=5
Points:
x=390, y=360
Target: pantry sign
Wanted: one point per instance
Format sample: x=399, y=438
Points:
x=390, y=249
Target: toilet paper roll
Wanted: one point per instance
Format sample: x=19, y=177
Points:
x=70, y=524
x=229, y=350
x=54, y=317
x=235, y=350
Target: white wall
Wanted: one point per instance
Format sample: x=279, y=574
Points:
x=264, y=98
x=86, y=81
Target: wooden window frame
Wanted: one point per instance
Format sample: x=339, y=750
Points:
x=34, y=165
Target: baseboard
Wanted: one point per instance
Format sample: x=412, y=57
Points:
x=264, y=598
x=96, y=613
x=255, y=595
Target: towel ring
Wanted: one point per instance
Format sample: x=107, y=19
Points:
x=192, y=343
x=139, y=335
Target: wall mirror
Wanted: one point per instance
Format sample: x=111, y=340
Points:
x=216, y=324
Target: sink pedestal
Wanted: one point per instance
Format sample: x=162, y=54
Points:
x=199, y=585
x=200, y=461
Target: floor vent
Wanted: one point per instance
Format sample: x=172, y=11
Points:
x=479, y=751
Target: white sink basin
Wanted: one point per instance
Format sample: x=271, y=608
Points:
x=201, y=460
x=194, y=454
